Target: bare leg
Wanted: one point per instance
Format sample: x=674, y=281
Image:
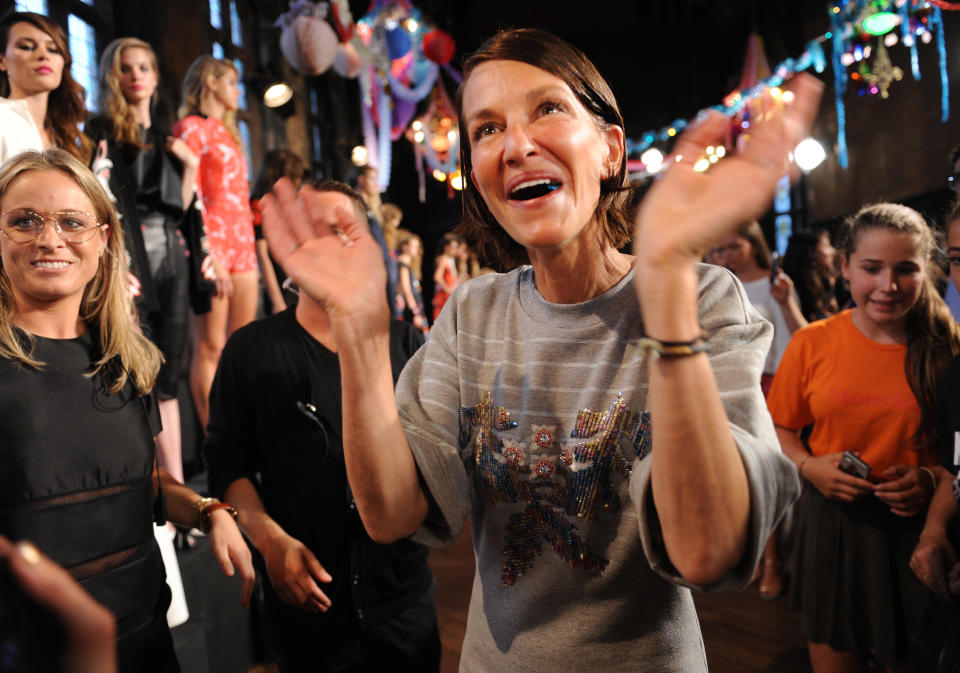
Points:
x=825, y=659
x=211, y=335
x=169, y=451
x=243, y=302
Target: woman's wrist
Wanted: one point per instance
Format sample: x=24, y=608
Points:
x=668, y=305
x=802, y=463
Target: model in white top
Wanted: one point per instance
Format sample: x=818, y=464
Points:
x=41, y=105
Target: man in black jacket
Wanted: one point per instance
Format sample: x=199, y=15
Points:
x=334, y=600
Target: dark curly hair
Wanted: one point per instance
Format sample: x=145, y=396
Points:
x=561, y=59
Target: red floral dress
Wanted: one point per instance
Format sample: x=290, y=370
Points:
x=224, y=191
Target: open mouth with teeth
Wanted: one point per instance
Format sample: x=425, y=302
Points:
x=534, y=189
x=51, y=265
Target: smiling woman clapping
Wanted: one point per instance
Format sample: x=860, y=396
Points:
x=534, y=404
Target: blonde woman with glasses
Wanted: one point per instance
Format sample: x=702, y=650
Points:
x=77, y=419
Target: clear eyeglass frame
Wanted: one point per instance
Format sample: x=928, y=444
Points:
x=58, y=218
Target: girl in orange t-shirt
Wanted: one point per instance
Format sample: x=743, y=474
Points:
x=866, y=379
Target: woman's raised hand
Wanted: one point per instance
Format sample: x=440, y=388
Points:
x=327, y=250
x=686, y=212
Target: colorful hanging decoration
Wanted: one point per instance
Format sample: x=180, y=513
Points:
x=394, y=54
x=307, y=41
x=812, y=57
x=436, y=142
x=861, y=33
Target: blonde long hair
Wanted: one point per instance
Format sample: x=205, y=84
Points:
x=194, y=90
x=124, y=127
x=105, y=308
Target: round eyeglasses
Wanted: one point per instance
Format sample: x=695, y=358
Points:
x=23, y=226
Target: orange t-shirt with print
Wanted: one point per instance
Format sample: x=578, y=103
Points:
x=852, y=389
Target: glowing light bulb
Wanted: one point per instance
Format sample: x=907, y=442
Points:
x=809, y=154
x=412, y=25
x=652, y=159
x=452, y=136
x=456, y=180
x=439, y=175
x=417, y=125
x=671, y=131
x=359, y=156
x=701, y=165
x=419, y=136
x=721, y=151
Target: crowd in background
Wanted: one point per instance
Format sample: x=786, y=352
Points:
x=861, y=379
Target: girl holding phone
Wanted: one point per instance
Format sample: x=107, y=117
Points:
x=866, y=378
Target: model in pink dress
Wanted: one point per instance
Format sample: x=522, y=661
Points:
x=211, y=97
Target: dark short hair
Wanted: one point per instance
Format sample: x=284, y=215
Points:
x=753, y=233
x=564, y=61
x=327, y=185
x=278, y=164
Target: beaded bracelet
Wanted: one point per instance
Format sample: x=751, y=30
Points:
x=671, y=349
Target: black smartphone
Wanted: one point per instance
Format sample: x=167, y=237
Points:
x=31, y=637
x=851, y=464
x=774, y=267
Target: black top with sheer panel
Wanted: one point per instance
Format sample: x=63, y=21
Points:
x=77, y=481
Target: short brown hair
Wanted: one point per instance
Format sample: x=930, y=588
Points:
x=359, y=205
x=561, y=59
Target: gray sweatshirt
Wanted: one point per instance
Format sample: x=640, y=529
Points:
x=530, y=418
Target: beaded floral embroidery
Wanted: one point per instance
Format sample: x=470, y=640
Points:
x=557, y=484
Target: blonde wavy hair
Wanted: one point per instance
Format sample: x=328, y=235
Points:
x=105, y=308
x=124, y=127
x=194, y=90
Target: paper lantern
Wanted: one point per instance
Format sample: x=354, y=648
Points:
x=309, y=45
x=438, y=46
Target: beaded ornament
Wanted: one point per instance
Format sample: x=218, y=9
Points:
x=557, y=484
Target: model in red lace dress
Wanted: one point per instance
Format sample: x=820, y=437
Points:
x=210, y=100
x=445, y=276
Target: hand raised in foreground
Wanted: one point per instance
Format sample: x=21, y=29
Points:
x=90, y=628
x=686, y=212
x=326, y=248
